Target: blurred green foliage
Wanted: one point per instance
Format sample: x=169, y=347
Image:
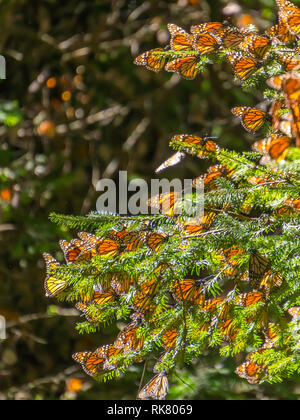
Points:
x=75, y=109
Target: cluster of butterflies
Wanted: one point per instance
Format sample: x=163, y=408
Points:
x=188, y=291
x=247, y=52
x=245, y=49
x=284, y=115
x=169, y=203
x=87, y=246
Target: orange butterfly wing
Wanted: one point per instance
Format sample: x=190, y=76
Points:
x=180, y=39
x=211, y=27
x=257, y=45
x=252, y=119
x=243, y=66
x=249, y=299
x=185, y=66
x=156, y=389
x=232, y=38
x=282, y=33
x=206, y=43
x=152, y=60
x=109, y=248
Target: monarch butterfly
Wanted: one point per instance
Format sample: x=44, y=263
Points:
x=211, y=304
x=149, y=287
x=291, y=86
x=225, y=312
x=294, y=311
x=91, y=362
x=285, y=6
x=155, y=240
x=227, y=329
x=83, y=307
x=132, y=241
x=180, y=39
x=172, y=161
x=206, y=43
x=185, y=66
x=232, y=257
x=255, y=180
x=277, y=113
x=88, y=238
x=203, y=327
x=109, y=248
x=199, y=225
x=71, y=250
x=153, y=60
x=256, y=45
x=208, y=145
x=290, y=63
x=53, y=285
x=51, y=262
x=289, y=14
x=244, y=66
x=118, y=235
x=213, y=173
x=86, y=296
x=156, y=389
x=281, y=32
x=294, y=203
x=271, y=334
x=169, y=339
x=188, y=290
x=137, y=318
x=250, y=371
x=121, y=283
x=296, y=127
x=98, y=360
x=188, y=138
x=232, y=38
x=103, y=298
x=109, y=350
x=275, y=146
x=287, y=209
x=252, y=119
x=270, y=280
x=232, y=253
x=211, y=27
x=127, y=339
x=248, y=299
x=142, y=303
x=258, y=266
x=81, y=356
x=91, y=242
x=167, y=203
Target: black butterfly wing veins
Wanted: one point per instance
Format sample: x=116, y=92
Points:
x=258, y=266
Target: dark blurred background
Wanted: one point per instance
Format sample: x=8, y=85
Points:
x=74, y=109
